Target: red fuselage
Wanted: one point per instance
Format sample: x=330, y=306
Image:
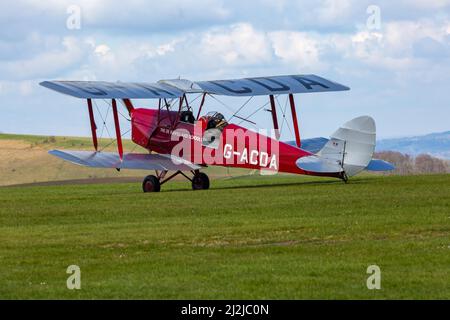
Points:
x=162, y=132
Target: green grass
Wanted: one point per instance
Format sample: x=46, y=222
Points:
x=252, y=238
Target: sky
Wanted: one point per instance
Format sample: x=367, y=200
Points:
x=395, y=56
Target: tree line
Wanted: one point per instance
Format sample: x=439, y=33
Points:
x=421, y=164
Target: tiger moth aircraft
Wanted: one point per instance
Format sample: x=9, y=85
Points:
x=183, y=142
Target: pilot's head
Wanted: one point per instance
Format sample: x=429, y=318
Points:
x=219, y=116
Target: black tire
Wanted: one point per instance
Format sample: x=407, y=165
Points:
x=151, y=184
x=200, y=181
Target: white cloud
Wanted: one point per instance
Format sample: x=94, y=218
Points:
x=102, y=50
x=332, y=10
x=137, y=16
x=68, y=54
x=298, y=49
x=240, y=44
x=395, y=46
x=26, y=88
x=427, y=4
x=166, y=48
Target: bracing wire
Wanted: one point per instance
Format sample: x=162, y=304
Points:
x=118, y=111
x=284, y=116
x=104, y=121
x=115, y=140
x=242, y=107
x=255, y=112
x=223, y=104
x=192, y=101
x=105, y=126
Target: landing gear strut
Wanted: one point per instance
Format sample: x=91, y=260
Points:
x=344, y=177
x=200, y=181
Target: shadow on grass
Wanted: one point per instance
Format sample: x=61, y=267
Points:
x=280, y=185
x=257, y=183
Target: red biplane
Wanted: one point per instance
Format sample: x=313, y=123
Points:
x=179, y=141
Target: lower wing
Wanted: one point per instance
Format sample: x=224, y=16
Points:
x=129, y=161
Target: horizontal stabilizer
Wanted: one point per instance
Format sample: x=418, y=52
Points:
x=318, y=165
x=314, y=145
x=130, y=160
x=380, y=165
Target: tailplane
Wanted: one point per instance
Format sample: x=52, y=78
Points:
x=348, y=151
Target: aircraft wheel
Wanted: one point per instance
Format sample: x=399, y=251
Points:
x=151, y=184
x=200, y=181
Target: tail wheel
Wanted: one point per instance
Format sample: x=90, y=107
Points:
x=151, y=184
x=200, y=181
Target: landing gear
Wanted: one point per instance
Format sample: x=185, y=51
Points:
x=152, y=183
x=200, y=181
x=344, y=177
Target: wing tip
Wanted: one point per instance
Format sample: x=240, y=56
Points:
x=380, y=165
x=53, y=152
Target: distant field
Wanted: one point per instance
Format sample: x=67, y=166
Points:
x=24, y=159
x=253, y=238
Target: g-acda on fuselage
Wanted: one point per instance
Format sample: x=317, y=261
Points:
x=175, y=133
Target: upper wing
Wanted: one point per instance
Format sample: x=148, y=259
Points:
x=270, y=85
x=113, y=90
x=130, y=160
x=178, y=87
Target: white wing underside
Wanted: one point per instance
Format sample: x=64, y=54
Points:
x=130, y=160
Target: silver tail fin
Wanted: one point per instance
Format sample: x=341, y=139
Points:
x=348, y=152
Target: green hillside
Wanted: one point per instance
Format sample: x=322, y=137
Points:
x=25, y=160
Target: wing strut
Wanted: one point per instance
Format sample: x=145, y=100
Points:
x=116, y=123
x=128, y=105
x=93, y=125
x=294, y=120
x=201, y=106
x=274, y=117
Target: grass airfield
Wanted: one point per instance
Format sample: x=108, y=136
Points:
x=284, y=237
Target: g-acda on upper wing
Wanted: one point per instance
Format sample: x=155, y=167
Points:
x=178, y=87
x=264, y=86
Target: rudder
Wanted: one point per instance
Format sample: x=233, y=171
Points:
x=352, y=145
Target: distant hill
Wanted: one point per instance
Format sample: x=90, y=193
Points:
x=434, y=144
x=25, y=160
